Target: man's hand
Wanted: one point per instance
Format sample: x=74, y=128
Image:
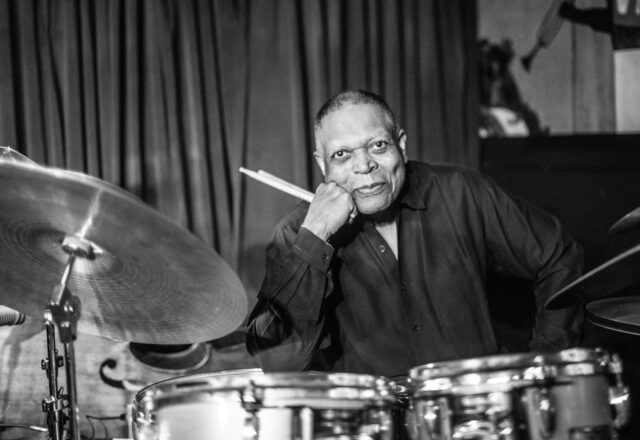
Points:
x=330, y=208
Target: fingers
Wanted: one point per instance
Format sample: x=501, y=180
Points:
x=330, y=208
x=353, y=214
x=341, y=197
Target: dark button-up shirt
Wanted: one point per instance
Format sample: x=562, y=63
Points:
x=350, y=305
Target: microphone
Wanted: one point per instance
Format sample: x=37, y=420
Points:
x=8, y=316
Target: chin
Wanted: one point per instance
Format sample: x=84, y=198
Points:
x=370, y=207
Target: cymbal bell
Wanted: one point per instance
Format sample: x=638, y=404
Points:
x=147, y=280
x=610, y=278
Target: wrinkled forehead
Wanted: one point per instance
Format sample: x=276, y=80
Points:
x=353, y=120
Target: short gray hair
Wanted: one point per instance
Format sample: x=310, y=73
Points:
x=354, y=97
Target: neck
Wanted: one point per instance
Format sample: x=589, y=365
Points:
x=383, y=217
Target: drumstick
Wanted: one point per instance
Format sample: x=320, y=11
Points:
x=280, y=184
x=282, y=181
x=306, y=194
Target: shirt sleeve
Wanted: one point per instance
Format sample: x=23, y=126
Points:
x=531, y=243
x=286, y=325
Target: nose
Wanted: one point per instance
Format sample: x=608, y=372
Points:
x=363, y=162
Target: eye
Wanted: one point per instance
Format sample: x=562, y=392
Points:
x=379, y=146
x=340, y=155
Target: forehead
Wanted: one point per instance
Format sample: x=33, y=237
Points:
x=353, y=122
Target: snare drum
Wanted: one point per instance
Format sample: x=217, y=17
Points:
x=249, y=404
x=567, y=395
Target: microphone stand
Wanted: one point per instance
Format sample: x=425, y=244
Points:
x=63, y=312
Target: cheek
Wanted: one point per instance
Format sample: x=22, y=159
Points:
x=395, y=169
x=336, y=174
x=397, y=177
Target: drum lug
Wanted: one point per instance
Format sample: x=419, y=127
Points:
x=619, y=394
x=251, y=402
x=545, y=410
x=430, y=419
x=306, y=423
x=250, y=397
x=619, y=399
x=251, y=426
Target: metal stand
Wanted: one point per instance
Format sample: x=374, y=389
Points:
x=63, y=312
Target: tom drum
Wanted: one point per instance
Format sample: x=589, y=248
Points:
x=574, y=394
x=249, y=404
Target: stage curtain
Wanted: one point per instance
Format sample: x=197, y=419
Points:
x=168, y=98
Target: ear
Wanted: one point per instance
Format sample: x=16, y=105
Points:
x=320, y=161
x=402, y=143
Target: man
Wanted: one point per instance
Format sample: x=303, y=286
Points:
x=385, y=270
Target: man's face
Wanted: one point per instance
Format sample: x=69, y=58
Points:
x=358, y=149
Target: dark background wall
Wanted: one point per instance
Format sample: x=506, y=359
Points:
x=588, y=181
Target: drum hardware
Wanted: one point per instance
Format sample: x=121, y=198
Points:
x=428, y=425
x=142, y=278
x=619, y=394
x=543, y=402
x=552, y=396
x=306, y=424
x=249, y=404
x=63, y=312
x=545, y=410
x=250, y=401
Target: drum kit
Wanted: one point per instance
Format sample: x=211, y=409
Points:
x=89, y=257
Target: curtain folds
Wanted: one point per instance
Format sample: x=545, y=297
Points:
x=168, y=98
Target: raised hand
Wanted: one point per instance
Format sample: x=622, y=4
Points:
x=330, y=208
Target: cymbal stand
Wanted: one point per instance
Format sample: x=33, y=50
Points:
x=55, y=403
x=63, y=312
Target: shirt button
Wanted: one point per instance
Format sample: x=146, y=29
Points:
x=415, y=327
x=382, y=248
x=325, y=257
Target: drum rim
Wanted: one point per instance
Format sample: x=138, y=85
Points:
x=568, y=362
x=203, y=386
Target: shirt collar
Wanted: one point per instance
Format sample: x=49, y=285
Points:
x=411, y=195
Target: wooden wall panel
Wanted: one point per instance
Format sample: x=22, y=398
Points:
x=593, y=83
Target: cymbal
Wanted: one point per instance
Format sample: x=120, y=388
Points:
x=149, y=281
x=617, y=274
x=629, y=221
x=620, y=314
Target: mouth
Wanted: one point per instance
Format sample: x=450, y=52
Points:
x=370, y=190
